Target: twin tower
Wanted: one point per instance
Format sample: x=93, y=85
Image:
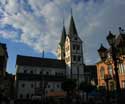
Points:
x=70, y=50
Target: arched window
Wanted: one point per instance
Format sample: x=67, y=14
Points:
x=102, y=72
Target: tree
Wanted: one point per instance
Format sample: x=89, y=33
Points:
x=86, y=87
x=69, y=85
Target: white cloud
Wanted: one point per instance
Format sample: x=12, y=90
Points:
x=42, y=27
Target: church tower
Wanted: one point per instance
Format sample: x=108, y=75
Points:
x=61, y=45
x=74, y=53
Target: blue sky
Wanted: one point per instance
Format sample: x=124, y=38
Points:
x=30, y=26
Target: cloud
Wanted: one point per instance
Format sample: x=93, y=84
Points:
x=39, y=24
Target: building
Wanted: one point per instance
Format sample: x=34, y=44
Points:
x=3, y=59
x=70, y=50
x=37, y=76
x=6, y=79
x=105, y=67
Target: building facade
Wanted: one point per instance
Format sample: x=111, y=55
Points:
x=35, y=75
x=105, y=68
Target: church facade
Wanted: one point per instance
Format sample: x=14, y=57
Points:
x=37, y=76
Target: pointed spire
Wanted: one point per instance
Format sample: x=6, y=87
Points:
x=72, y=27
x=43, y=54
x=63, y=36
x=102, y=48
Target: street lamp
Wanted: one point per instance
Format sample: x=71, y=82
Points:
x=102, y=52
x=107, y=77
x=111, y=40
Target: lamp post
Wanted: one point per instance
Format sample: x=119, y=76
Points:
x=106, y=79
x=115, y=58
x=111, y=40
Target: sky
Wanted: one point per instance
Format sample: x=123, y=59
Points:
x=30, y=26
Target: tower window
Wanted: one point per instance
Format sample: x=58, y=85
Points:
x=74, y=47
x=78, y=47
x=79, y=58
x=74, y=58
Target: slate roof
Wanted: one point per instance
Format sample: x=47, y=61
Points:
x=63, y=37
x=72, y=27
x=40, y=62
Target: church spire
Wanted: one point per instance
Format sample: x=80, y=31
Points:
x=63, y=36
x=72, y=27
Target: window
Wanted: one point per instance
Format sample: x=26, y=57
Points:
x=110, y=70
x=79, y=58
x=102, y=72
x=74, y=58
x=23, y=85
x=27, y=96
x=57, y=85
x=47, y=73
x=25, y=71
x=41, y=72
x=31, y=85
x=31, y=72
x=74, y=47
x=78, y=47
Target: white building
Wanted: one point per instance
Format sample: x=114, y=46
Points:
x=34, y=74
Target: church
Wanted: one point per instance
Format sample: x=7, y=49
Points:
x=36, y=76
